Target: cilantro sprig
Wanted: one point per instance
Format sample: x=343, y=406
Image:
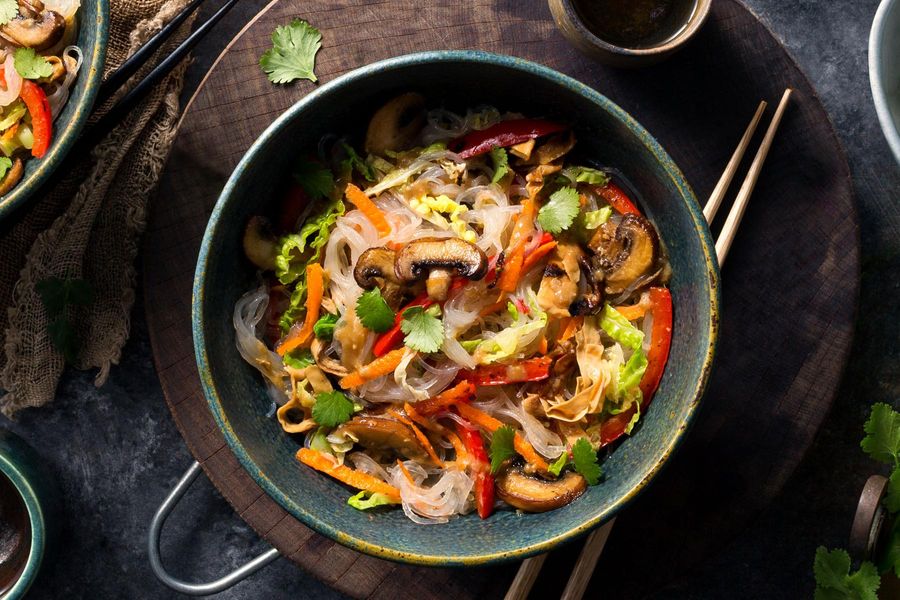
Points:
x=583, y=459
x=560, y=212
x=31, y=65
x=424, y=330
x=373, y=311
x=293, y=53
x=324, y=327
x=332, y=408
x=834, y=581
x=501, y=163
x=502, y=447
x=9, y=10
x=56, y=296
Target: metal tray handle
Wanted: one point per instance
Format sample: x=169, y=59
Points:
x=194, y=589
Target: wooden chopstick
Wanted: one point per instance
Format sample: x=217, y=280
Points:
x=134, y=62
x=729, y=230
x=593, y=547
x=715, y=199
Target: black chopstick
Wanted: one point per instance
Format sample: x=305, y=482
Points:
x=107, y=122
x=118, y=77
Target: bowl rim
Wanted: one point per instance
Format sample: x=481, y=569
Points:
x=485, y=557
x=876, y=75
x=37, y=524
x=694, y=23
x=92, y=70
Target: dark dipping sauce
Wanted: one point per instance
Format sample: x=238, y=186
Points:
x=15, y=534
x=635, y=23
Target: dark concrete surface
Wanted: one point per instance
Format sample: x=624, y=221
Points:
x=116, y=450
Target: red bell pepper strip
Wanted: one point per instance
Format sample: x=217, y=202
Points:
x=41, y=120
x=533, y=369
x=660, y=342
x=481, y=467
x=393, y=337
x=503, y=134
x=617, y=198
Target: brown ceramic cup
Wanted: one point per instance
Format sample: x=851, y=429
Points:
x=572, y=24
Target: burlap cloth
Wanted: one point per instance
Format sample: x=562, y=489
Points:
x=88, y=227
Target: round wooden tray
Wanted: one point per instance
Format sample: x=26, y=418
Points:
x=789, y=290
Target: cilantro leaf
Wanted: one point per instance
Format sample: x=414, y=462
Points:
x=56, y=294
x=353, y=161
x=53, y=295
x=585, y=458
x=293, y=53
x=883, y=440
x=890, y=557
x=559, y=464
x=501, y=163
x=502, y=447
x=559, y=213
x=834, y=580
x=31, y=65
x=9, y=10
x=315, y=179
x=324, y=327
x=892, y=499
x=63, y=338
x=424, y=331
x=331, y=409
x=5, y=166
x=586, y=175
x=299, y=359
x=374, y=312
x=360, y=502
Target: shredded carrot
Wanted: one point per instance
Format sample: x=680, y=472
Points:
x=406, y=472
x=344, y=474
x=515, y=257
x=375, y=369
x=542, y=346
x=423, y=439
x=368, y=208
x=535, y=257
x=485, y=420
x=10, y=133
x=461, y=392
x=315, y=281
x=573, y=325
x=633, y=312
x=462, y=457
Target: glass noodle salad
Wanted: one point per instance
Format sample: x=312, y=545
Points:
x=461, y=316
x=39, y=66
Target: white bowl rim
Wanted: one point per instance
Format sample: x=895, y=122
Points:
x=879, y=95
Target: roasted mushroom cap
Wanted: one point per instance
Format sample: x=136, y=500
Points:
x=534, y=494
x=625, y=252
x=13, y=176
x=34, y=27
x=396, y=124
x=260, y=243
x=381, y=433
x=375, y=268
x=439, y=259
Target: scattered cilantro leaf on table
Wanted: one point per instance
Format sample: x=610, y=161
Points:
x=31, y=65
x=585, y=459
x=501, y=163
x=882, y=441
x=559, y=213
x=9, y=10
x=502, y=447
x=374, y=312
x=890, y=560
x=331, y=409
x=293, y=53
x=56, y=295
x=834, y=580
x=424, y=331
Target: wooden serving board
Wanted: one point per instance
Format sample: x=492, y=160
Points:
x=789, y=290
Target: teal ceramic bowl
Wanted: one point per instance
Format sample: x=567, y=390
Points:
x=456, y=80
x=37, y=493
x=93, y=32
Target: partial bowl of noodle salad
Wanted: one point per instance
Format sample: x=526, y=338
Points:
x=455, y=308
x=51, y=63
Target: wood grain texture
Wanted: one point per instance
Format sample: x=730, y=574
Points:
x=789, y=289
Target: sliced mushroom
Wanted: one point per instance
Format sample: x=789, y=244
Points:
x=325, y=362
x=591, y=294
x=375, y=268
x=439, y=259
x=381, y=433
x=625, y=252
x=535, y=494
x=260, y=243
x=396, y=124
x=13, y=176
x=554, y=148
x=33, y=28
